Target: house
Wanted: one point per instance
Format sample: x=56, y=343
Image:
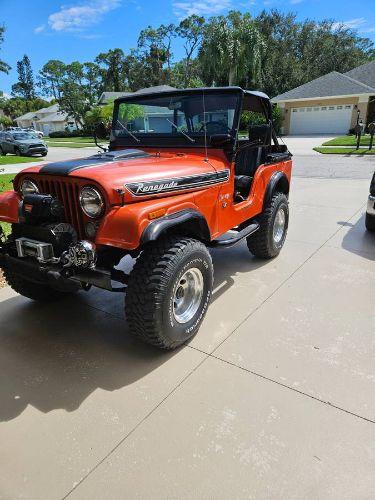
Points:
x=47, y=120
x=330, y=104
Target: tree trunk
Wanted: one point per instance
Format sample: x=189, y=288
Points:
x=232, y=75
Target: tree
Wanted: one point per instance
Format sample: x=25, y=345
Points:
x=17, y=106
x=4, y=67
x=191, y=31
x=50, y=77
x=155, y=46
x=25, y=87
x=99, y=114
x=112, y=70
x=232, y=49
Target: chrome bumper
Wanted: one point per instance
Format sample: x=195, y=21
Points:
x=371, y=205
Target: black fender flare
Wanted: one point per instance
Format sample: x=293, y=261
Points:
x=190, y=221
x=278, y=182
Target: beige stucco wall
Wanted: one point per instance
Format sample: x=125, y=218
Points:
x=287, y=106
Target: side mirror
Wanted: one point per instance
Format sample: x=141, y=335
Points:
x=220, y=139
x=100, y=131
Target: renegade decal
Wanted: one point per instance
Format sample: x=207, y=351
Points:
x=177, y=184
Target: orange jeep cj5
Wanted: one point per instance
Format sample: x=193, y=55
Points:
x=176, y=178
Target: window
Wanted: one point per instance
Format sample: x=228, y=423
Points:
x=308, y=109
x=316, y=109
x=348, y=106
x=301, y=110
x=295, y=110
x=324, y=108
x=331, y=108
x=339, y=107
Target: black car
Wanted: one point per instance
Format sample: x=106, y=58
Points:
x=22, y=144
x=370, y=212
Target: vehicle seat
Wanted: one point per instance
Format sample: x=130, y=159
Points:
x=249, y=158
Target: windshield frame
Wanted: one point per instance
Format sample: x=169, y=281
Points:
x=165, y=140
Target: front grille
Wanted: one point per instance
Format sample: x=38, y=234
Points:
x=36, y=146
x=67, y=192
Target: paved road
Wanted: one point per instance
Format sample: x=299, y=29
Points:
x=272, y=399
x=54, y=154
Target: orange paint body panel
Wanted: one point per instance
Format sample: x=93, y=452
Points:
x=127, y=215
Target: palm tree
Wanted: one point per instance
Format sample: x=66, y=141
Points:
x=232, y=48
x=4, y=67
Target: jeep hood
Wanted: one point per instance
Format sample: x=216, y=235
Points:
x=160, y=169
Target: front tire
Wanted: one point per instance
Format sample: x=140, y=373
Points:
x=370, y=222
x=169, y=291
x=268, y=241
x=34, y=291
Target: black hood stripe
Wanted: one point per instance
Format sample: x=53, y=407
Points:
x=66, y=167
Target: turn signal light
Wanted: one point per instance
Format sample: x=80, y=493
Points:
x=157, y=214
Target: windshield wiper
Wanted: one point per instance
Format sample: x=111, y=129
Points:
x=128, y=131
x=181, y=131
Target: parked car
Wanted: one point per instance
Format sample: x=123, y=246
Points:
x=176, y=178
x=39, y=133
x=370, y=212
x=22, y=144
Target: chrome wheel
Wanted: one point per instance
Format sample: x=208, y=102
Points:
x=188, y=293
x=279, y=225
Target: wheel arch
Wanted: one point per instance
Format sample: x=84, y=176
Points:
x=278, y=182
x=188, y=222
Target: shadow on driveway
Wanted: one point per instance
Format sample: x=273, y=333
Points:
x=53, y=356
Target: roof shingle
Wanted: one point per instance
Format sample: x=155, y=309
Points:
x=332, y=84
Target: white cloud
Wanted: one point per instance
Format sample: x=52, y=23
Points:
x=40, y=28
x=80, y=16
x=201, y=7
x=352, y=23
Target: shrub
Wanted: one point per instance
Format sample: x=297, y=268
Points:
x=74, y=133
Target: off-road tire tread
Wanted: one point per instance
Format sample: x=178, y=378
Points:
x=35, y=291
x=370, y=222
x=258, y=243
x=150, y=274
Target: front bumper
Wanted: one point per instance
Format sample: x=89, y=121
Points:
x=371, y=205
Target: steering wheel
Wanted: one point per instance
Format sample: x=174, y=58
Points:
x=215, y=128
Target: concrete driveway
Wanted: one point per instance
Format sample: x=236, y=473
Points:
x=272, y=399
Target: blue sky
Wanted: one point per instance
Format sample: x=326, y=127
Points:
x=79, y=29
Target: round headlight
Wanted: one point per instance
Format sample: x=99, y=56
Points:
x=29, y=187
x=92, y=202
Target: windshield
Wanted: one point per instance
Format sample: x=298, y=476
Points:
x=190, y=116
x=20, y=136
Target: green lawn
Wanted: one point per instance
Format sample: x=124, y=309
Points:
x=344, y=151
x=348, y=140
x=78, y=140
x=11, y=159
x=6, y=185
x=69, y=145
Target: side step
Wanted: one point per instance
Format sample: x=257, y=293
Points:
x=252, y=228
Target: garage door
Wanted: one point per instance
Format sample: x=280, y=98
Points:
x=321, y=120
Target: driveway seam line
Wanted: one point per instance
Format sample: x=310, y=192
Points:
x=93, y=469
x=284, y=281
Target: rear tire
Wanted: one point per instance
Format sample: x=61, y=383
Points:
x=34, y=291
x=169, y=291
x=2, y=152
x=370, y=222
x=268, y=241
x=17, y=152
